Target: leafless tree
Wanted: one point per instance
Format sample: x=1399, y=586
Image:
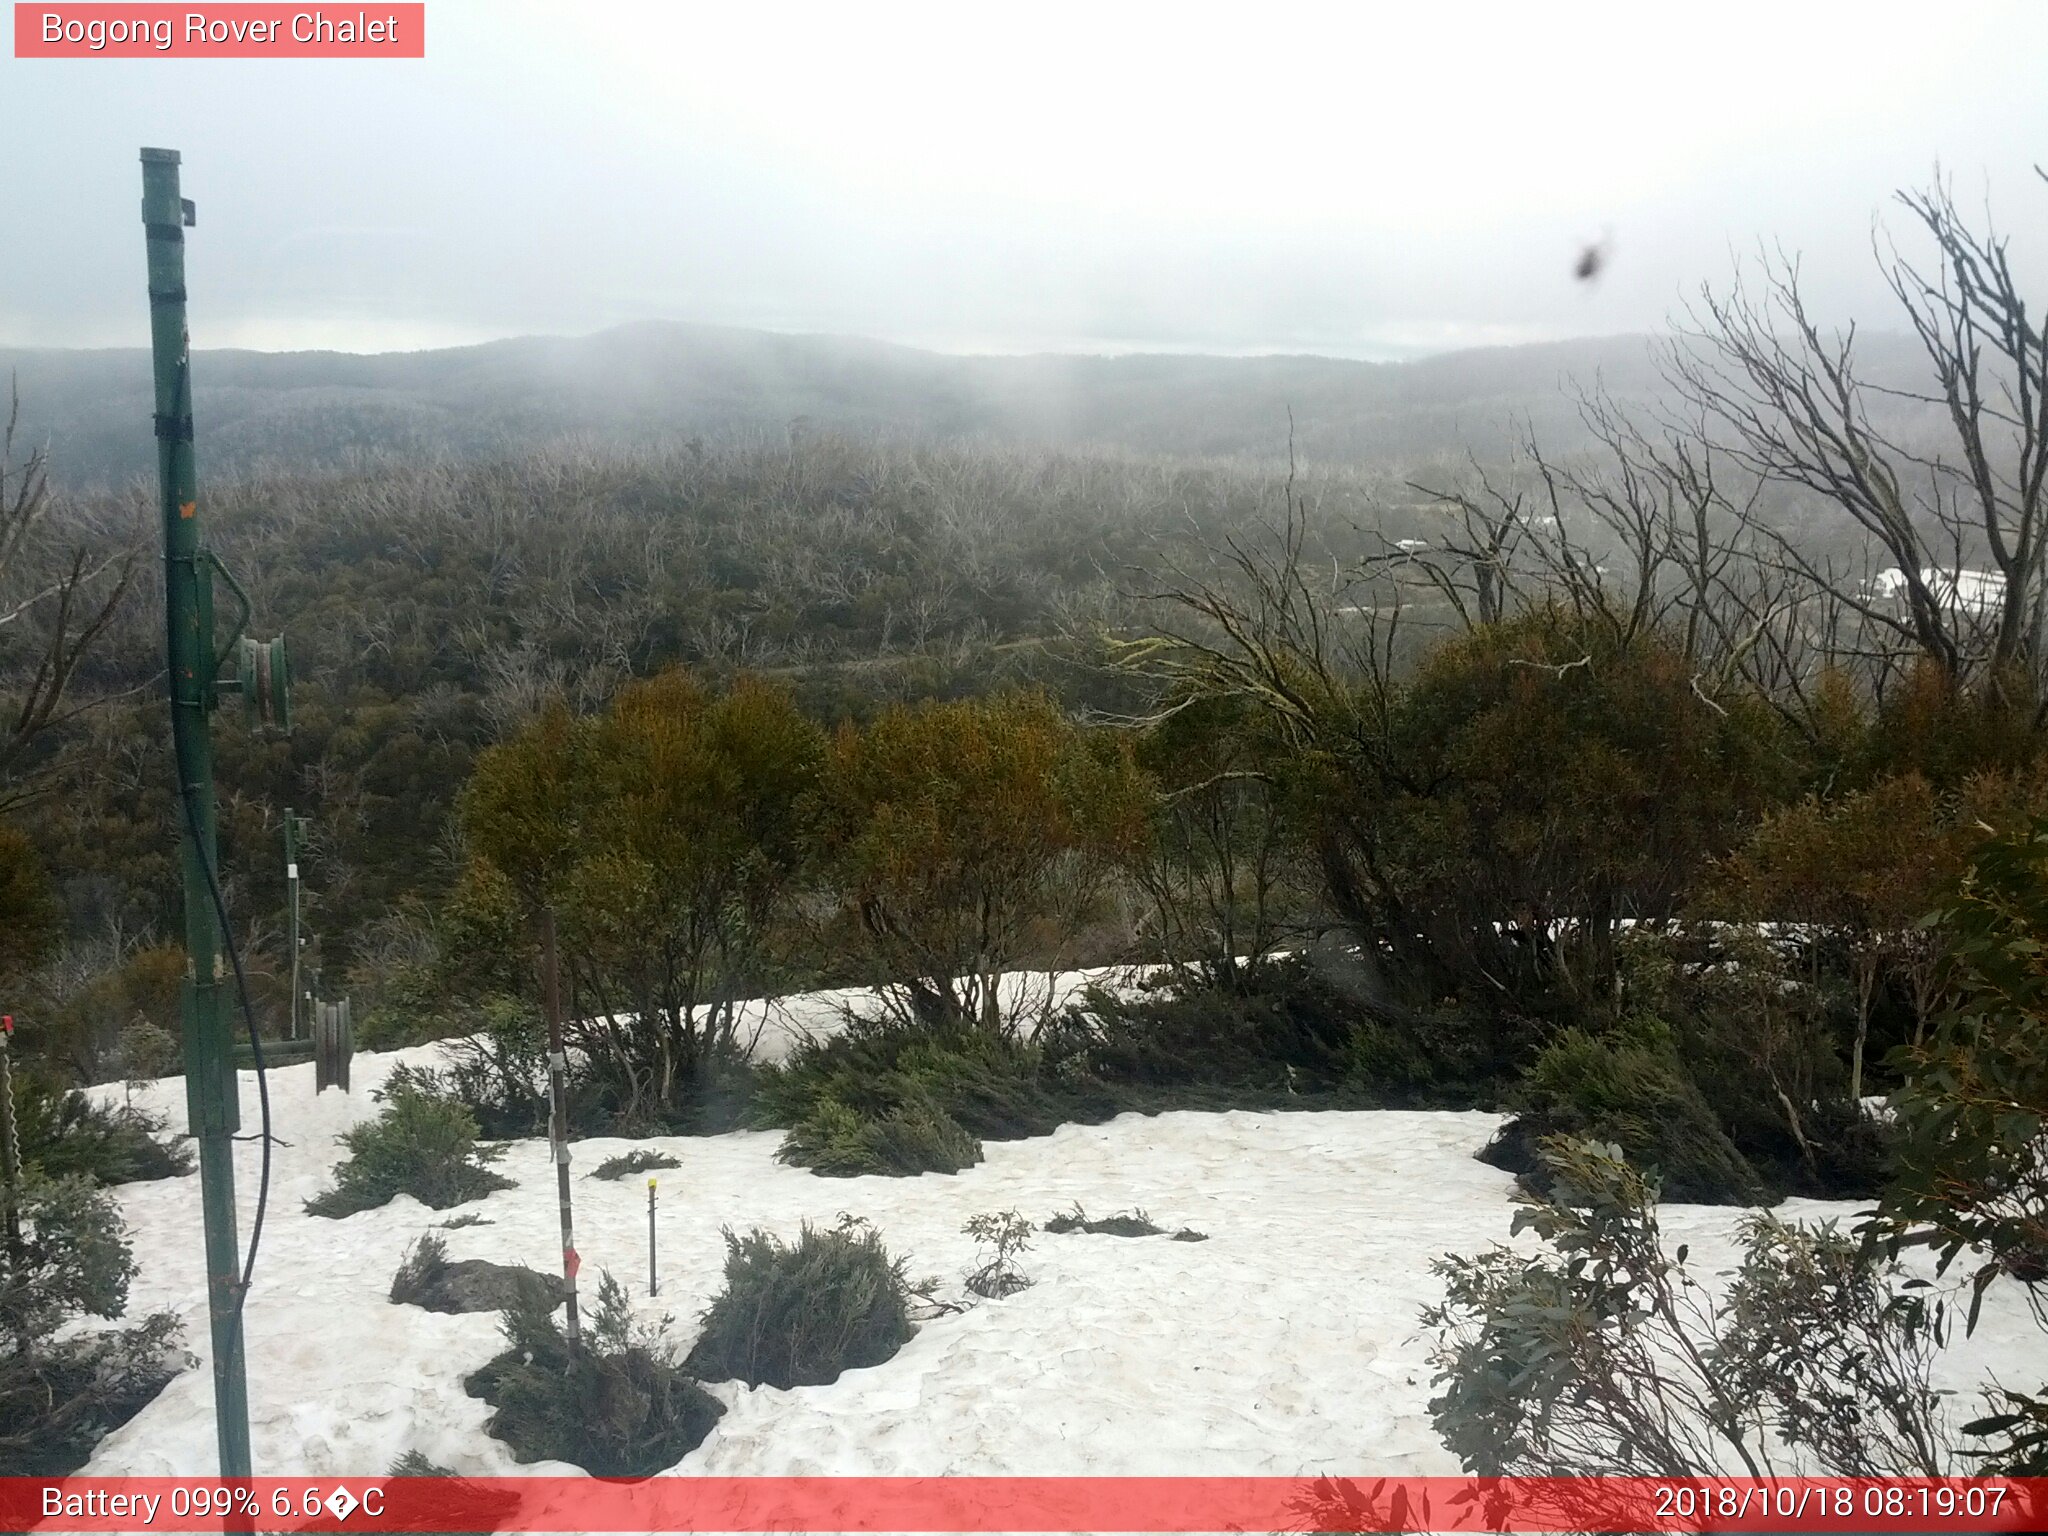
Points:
x=1785, y=399
x=56, y=602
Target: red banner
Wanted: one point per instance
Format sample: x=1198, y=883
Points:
x=1022, y=1504
x=61, y=31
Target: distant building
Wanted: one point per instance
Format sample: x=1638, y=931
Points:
x=1965, y=591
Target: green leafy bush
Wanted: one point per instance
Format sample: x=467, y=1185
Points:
x=895, y=1098
x=62, y=1392
x=1972, y=1115
x=913, y=1138
x=423, y=1145
x=1631, y=1090
x=639, y=1160
x=1272, y=1031
x=1763, y=1030
x=999, y=1236
x=65, y=1132
x=1278, y=1026
x=1123, y=1224
x=448, y=1491
x=425, y=1261
x=620, y=1406
x=1602, y=1355
x=799, y=1316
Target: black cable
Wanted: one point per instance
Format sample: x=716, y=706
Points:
x=227, y=938
x=179, y=395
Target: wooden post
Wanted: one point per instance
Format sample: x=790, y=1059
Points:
x=558, y=1116
x=653, y=1276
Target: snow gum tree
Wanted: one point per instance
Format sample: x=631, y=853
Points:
x=972, y=836
x=668, y=836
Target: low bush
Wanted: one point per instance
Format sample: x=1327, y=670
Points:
x=1278, y=1030
x=639, y=1160
x=61, y=1390
x=1719, y=1068
x=904, y=1141
x=1630, y=1089
x=1124, y=1224
x=147, y=1050
x=999, y=1236
x=1277, y=1026
x=445, y=1492
x=425, y=1261
x=620, y=1406
x=65, y=1132
x=1602, y=1355
x=798, y=1316
x=498, y=1068
x=424, y=1145
x=892, y=1098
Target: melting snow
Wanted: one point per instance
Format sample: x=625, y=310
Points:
x=1286, y=1344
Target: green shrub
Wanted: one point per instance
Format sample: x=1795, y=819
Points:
x=799, y=1316
x=639, y=1160
x=1279, y=1026
x=620, y=1406
x=999, y=1236
x=498, y=1068
x=61, y=1390
x=423, y=1145
x=148, y=1050
x=425, y=1261
x=65, y=1132
x=1764, y=1035
x=840, y=1142
x=1280, y=1029
x=887, y=1097
x=1630, y=1089
x=1124, y=1224
x=446, y=1492
x=1601, y=1354
x=990, y=1084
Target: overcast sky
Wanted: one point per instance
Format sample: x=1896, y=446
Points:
x=1362, y=179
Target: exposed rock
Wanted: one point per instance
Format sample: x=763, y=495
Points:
x=478, y=1285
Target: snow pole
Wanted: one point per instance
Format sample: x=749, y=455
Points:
x=558, y=1116
x=211, y=1101
x=653, y=1278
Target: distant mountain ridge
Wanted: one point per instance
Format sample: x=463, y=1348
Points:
x=668, y=380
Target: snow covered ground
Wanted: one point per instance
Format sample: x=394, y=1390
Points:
x=1286, y=1344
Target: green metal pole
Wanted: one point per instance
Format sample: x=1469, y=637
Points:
x=210, y=1090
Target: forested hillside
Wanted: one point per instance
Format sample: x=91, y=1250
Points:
x=295, y=413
